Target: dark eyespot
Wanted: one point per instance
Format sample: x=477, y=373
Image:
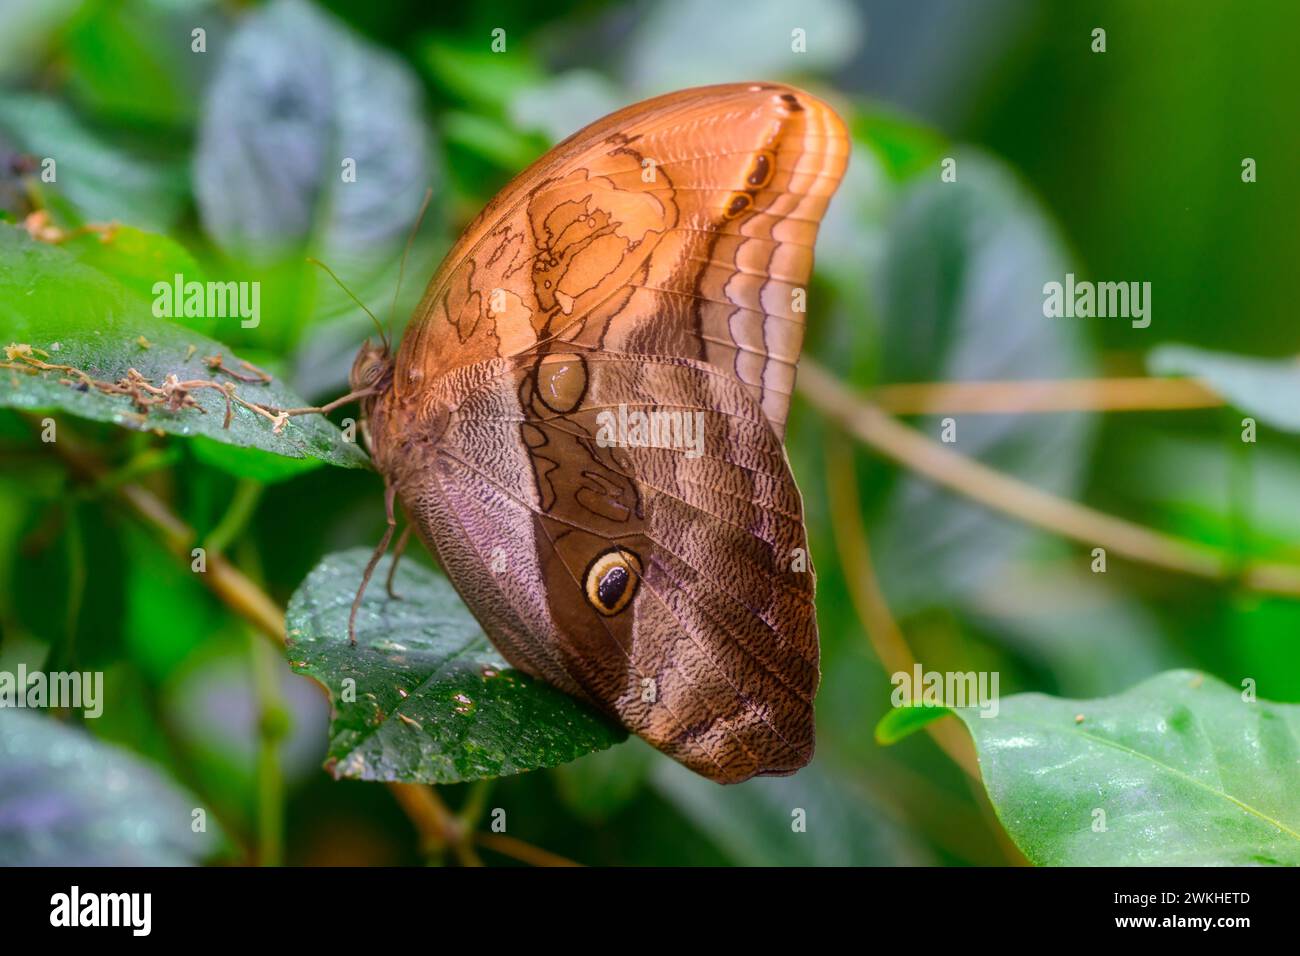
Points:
x=739, y=203
x=612, y=586
x=612, y=580
x=761, y=172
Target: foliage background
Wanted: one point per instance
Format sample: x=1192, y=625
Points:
x=1123, y=165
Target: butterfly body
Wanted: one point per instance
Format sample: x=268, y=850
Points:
x=647, y=270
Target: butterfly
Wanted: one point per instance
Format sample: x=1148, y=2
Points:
x=584, y=421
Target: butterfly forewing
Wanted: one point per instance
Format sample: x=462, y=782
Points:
x=654, y=263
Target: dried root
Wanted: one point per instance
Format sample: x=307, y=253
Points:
x=171, y=394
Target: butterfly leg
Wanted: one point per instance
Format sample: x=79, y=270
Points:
x=398, y=551
x=390, y=493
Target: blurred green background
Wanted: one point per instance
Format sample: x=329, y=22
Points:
x=1122, y=165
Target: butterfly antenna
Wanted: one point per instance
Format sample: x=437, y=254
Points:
x=339, y=282
x=410, y=241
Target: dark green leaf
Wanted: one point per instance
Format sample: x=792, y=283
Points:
x=814, y=818
x=962, y=301
x=67, y=799
x=600, y=784
x=81, y=318
x=431, y=700
x=478, y=76
x=1177, y=771
x=132, y=62
x=295, y=95
x=95, y=179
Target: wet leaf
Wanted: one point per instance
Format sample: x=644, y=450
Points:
x=81, y=318
x=1177, y=771
x=424, y=697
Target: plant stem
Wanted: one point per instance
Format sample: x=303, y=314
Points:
x=521, y=851
x=243, y=504
x=1011, y=496
x=271, y=719
x=886, y=637
x=1043, y=395
x=244, y=597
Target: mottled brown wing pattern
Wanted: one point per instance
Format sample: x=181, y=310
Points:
x=652, y=263
x=698, y=209
x=714, y=660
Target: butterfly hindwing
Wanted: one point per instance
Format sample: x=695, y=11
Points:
x=713, y=658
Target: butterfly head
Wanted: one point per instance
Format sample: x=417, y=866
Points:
x=372, y=376
x=372, y=369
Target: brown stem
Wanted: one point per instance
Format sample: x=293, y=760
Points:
x=1048, y=395
x=435, y=824
x=521, y=851
x=868, y=598
x=1011, y=496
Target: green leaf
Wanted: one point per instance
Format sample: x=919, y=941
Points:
x=1268, y=389
x=492, y=140
x=683, y=43
x=97, y=179
x=816, y=817
x=138, y=260
x=906, y=147
x=132, y=62
x=67, y=799
x=431, y=700
x=474, y=74
x=295, y=95
x=902, y=722
x=1186, y=772
x=964, y=267
x=601, y=784
x=250, y=462
x=560, y=106
x=84, y=319
x=26, y=27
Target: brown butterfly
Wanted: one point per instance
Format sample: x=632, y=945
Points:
x=585, y=419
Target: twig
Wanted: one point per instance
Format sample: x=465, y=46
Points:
x=243, y=505
x=1011, y=496
x=438, y=827
x=868, y=598
x=250, y=602
x=521, y=851
x=430, y=816
x=1047, y=395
